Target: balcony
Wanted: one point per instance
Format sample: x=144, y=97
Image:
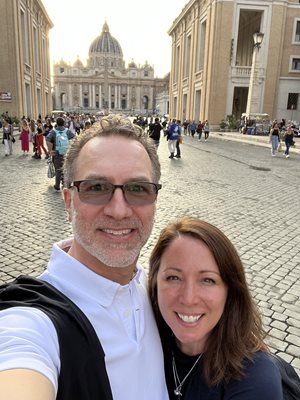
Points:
x=242, y=74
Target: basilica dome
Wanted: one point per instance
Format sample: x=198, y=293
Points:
x=106, y=44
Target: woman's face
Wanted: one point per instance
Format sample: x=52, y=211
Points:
x=191, y=293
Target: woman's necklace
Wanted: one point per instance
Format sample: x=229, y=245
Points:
x=179, y=384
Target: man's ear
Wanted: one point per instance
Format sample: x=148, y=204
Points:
x=68, y=200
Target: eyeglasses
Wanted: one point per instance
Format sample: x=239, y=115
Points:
x=93, y=191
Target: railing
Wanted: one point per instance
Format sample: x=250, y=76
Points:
x=245, y=72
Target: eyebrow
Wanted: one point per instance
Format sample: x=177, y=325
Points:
x=177, y=269
x=105, y=179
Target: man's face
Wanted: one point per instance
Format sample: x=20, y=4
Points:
x=113, y=234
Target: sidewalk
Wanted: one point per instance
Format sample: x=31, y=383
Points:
x=252, y=139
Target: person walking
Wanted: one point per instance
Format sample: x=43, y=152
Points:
x=179, y=139
x=288, y=139
x=87, y=330
x=154, y=131
x=39, y=140
x=172, y=136
x=274, y=138
x=24, y=137
x=206, y=130
x=57, y=142
x=8, y=137
x=193, y=127
x=211, y=329
x=199, y=130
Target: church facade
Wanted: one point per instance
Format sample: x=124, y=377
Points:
x=105, y=84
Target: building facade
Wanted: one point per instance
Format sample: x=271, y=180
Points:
x=212, y=55
x=25, y=86
x=105, y=84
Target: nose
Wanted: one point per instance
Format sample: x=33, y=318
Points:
x=189, y=293
x=117, y=207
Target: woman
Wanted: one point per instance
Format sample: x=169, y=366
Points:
x=8, y=137
x=288, y=139
x=211, y=330
x=24, y=137
x=39, y=139
x=274, y=138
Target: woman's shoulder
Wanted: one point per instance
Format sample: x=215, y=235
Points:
x=261, y=380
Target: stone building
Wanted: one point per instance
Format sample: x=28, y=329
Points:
x=216, y=70
x=105, y=84
x=25, y=87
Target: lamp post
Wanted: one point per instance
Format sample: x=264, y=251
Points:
x=254, y=93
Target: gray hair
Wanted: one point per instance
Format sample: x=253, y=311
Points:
x=111, y=125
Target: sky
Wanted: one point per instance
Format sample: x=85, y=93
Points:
x=139, y=26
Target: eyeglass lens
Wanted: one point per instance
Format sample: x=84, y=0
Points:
x=99, y=192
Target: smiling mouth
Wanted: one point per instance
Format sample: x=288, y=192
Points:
x=119, y=232
x=189, y=318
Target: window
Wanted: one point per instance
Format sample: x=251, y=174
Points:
x=24, y=34
x=296, y=31
x=146, y=73
x=36, y=48
x=295, y=64
x=292, y=101
x=61, y=70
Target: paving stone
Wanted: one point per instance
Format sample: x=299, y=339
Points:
x=216, y=183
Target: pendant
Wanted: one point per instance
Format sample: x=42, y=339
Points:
x=177, y=392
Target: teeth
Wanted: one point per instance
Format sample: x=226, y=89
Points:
x=189, y=318
x=117, y=233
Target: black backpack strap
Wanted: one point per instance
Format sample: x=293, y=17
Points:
x=83, y=374
x=289, y=378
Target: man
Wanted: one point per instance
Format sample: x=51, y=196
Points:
x=154, y=131
x=172, y=137
x=111, y=175
x=57, y=143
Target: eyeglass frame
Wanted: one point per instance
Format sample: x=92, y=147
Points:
x=76, y=184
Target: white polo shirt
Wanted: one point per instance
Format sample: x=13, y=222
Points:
x=121, y=316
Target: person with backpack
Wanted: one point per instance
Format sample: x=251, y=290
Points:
x=84, y=329
x=58, y=142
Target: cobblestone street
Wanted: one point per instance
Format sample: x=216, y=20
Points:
x=253, y=197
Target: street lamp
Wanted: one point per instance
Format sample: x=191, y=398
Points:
x=258, y=38
x=254, y=93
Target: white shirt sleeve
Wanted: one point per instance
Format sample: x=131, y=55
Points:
x=28, y=339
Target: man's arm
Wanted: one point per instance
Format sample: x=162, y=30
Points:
x=25, y=384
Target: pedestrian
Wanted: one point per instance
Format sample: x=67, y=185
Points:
x=185, y=126
x=154, y=131
x=210, y=327
x=179, y=139
x=288, y=139
x=24, y=137
x=111, y=174
x=193, y=127
x=47, y=126
x=39, y=140
x=57, y=142
x=274, y=138
x=199, y=130
x=206, y=130
x=8, y=137
x=32, y=135
x=172, y=136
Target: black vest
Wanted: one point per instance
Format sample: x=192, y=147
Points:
x=83, y=373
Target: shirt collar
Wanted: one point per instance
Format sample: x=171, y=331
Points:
x=65, y=268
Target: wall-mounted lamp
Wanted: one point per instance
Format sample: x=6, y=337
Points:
x=258, y=38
